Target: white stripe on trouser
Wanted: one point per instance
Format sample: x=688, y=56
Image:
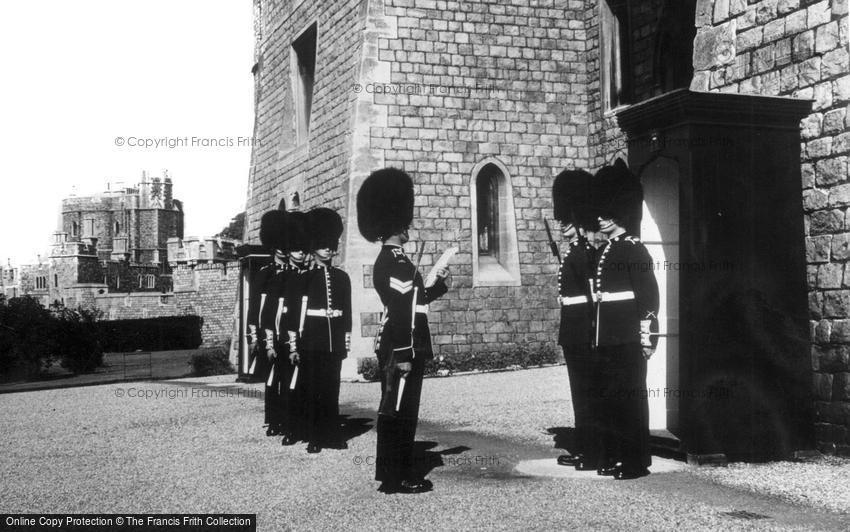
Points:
x=280, y=310
x=303, y=314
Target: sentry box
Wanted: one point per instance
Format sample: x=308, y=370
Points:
x=723, y=219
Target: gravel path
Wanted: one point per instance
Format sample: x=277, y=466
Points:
x=182, y=449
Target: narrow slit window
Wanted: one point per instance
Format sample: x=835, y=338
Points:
x=304, y=54
x=487, y=188
x=614, y=53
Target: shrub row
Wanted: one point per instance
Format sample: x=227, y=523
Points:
x=151, y=334
x=520, y=356
x=33, y=338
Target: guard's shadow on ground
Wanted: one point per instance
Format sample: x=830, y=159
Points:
x=425, y=460
x=563, y=437
x=352, y=427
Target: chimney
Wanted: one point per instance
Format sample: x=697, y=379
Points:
x=167, y=193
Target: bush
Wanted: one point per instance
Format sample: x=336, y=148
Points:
x=27, y=339
x=214, y=362
x=151, y=334
x=508, y=357
x=78, y=344
x=369, y=369
x=519, y=356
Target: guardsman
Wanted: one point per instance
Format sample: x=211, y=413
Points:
x=320, y=331
x=571, y=199
x=259, y=363
x=403, y=345
x=273, y=237
x=300, y=261
x=626, y=294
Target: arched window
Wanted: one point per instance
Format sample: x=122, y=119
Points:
x=117, y=227
x=495, y=252
x=487, y=189
x=75, y=229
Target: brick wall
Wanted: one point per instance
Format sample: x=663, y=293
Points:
x=799, y=48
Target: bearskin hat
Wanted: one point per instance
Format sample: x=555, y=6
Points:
x=325, y=228
x=571, y=197
x=281, y=205
x=618, y=194
x=385, y=204
x=298, y=230
x=273, y=230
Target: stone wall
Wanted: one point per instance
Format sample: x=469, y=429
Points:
x=799, y=48
x=205, y=290
x=484, y=82
x=315, y=168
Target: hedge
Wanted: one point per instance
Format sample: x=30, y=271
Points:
x=151, y=334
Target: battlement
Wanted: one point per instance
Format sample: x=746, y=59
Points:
x=195, y=250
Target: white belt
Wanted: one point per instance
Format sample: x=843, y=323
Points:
x=572, y=300
x=604, y=297
x=422, y=309
x=324, y=313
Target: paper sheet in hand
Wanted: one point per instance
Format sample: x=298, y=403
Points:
x=401, y=382
x=442, y=262
x=270, y=382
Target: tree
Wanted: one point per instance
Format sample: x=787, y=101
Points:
x=236, y=229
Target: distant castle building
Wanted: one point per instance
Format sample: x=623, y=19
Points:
x=9, y=281
x=130, y=223
x=123, y=252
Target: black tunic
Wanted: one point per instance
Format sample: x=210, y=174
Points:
x=404, y=330
x=626, y=291
x=326, y=319
x=574, y=295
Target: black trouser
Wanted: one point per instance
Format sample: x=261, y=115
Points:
x=279, y=398
x=623, y=407
x=394, y=460
x=321, y=373
x=580, y=367
x=262, y=366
